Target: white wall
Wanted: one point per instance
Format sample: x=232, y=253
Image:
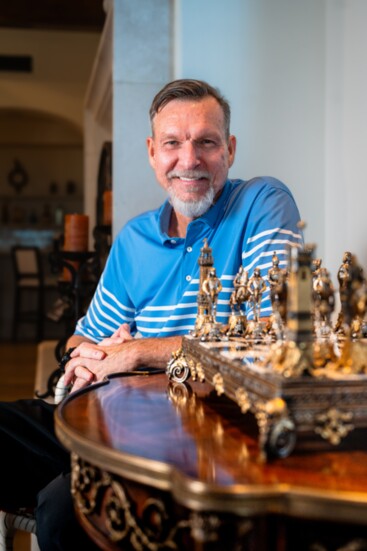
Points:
x=346, y=131
x=295, y=74
x=141, y=66
x=267, y=57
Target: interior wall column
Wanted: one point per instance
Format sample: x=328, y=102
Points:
x=141, y=65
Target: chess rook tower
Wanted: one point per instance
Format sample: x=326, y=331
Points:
x=206, y=263
x=299, y=318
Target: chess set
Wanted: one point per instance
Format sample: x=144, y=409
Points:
x=296, y=372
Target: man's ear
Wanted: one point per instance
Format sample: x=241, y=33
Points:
x=232, y=143
x=151, y=151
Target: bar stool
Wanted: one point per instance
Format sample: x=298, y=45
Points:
x=29, y=278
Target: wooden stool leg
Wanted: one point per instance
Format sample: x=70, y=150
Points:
x=16, y=313
x=40, y=314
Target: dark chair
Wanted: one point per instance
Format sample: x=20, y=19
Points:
x=29, y=279
x=22, y=520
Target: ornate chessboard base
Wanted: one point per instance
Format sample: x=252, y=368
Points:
x=327, y=404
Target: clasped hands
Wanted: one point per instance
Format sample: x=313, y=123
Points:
x=91, y=362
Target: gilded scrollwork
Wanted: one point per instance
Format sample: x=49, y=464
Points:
x=86, y=484
x=153, y=530
x=206, y=527
x=218, y=383
x=333, y=425
x=178, y=368
x=243, y=399
x=200, y=372
x=277, y=434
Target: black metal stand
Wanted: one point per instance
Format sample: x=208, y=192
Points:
x=79, y=275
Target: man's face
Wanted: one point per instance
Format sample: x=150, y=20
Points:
x=190, y=154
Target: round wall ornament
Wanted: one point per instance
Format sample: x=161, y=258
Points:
x=18, y=177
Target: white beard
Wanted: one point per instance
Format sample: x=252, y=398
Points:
x=192, y=209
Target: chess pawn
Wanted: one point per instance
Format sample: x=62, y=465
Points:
x=256, y=287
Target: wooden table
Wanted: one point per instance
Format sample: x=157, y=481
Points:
x=164, y=466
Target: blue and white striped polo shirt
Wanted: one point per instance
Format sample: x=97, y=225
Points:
x=151, y=280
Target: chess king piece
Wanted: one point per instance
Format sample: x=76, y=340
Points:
x=237, y=319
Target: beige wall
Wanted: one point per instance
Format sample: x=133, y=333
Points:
x=62, y=63
x=41, y=120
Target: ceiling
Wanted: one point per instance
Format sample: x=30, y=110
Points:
x=65, y=15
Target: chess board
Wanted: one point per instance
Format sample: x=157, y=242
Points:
x=327, y=405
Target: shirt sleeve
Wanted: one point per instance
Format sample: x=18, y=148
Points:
x=110, y=306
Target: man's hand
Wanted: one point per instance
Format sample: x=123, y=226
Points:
x=77, y=369
x=92, y=363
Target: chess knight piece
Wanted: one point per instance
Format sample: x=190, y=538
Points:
x=237, y=319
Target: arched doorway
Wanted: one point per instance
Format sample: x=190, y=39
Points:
x=41, y=179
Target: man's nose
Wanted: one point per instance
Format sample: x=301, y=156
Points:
x=189, y=155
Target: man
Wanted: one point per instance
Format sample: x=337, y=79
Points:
x=149, y=286
x=191, y=150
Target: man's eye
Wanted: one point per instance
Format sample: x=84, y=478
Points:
x=171, y=143
x=207, y=142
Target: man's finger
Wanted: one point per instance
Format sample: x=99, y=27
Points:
x=87, y=350
x=78, y=384
x=82, y=372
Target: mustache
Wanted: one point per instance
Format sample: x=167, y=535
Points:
x=192, y=174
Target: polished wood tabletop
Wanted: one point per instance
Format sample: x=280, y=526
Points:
x=198, y=446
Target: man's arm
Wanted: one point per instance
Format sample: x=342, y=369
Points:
x=75, y=340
